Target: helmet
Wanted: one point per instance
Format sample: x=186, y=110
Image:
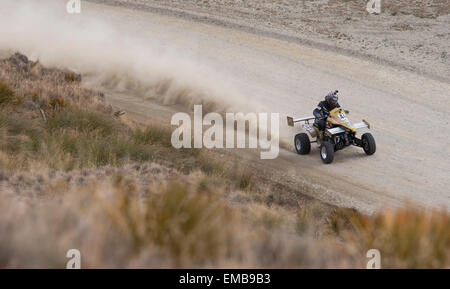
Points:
x=332, y=98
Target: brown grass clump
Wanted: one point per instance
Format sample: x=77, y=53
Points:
x=7, y=95
x=190, y=223
x=72, y=77
x=406, y=237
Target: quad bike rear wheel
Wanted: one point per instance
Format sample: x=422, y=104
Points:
x=302, y=144
x=368, y=144
x=327, y=152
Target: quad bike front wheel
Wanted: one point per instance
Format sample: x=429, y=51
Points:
x=327, y=152
x=368, y=144
x=302, y=144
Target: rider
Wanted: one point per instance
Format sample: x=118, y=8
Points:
x=323, y=110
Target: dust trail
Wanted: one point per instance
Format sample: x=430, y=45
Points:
x=110, y=57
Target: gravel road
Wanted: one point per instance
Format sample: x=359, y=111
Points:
x=408, y=111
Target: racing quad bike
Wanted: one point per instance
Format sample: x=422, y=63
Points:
x=339, y=133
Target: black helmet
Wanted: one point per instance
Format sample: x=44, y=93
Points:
x=332, y=98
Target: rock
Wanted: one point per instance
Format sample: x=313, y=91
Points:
x=19, y=58
x=20, y=61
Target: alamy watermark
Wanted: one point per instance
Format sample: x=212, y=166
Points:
x=74, y=256
x=73, y=6
x=375, y=259
x=374, y=6
x=235, y=124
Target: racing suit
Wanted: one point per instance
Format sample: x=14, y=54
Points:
x=321, y=113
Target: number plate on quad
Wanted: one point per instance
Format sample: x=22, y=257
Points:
x=310, y=129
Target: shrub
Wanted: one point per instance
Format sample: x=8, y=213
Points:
x=58, y=103
x=83, y=121
x=70, y=77
x=6, y=94
x=153, y=135
x=190, y=224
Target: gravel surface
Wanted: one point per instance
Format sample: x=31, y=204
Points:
x=406, y=110
x=412, y=34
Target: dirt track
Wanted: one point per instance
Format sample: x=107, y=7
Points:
x=408, y=112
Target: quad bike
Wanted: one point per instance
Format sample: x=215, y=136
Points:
x=339, y=133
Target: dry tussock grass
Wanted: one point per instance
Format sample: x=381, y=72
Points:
x=407, y=237
x=41, y=87
x=183, y=221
